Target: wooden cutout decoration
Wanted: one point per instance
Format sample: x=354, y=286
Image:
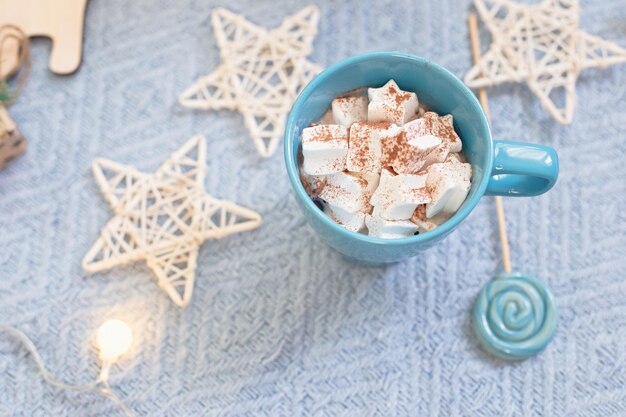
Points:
x=62, y=22
x=12, y=143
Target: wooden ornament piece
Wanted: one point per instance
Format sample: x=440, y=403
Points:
x=61, y=21
x=12, y=143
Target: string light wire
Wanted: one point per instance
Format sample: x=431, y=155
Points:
x=100, y=385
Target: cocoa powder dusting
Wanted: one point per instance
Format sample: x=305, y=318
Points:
x=359, y=153
x=438, y=126
x=323, y=133
x=402, y=97
x=331, y=192
x=380, y=125
x=399, y=154
x=398, y=96
x=396, y=112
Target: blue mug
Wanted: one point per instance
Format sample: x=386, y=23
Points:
x=499, y=167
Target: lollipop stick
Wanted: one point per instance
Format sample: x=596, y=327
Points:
x=504, y=240
x=482, y=97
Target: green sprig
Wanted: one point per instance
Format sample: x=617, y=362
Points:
x=5, y=95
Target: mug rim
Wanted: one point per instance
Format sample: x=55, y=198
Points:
x=292, y=164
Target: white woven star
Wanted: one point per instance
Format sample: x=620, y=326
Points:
x=543, y=45
x=163, y=218
x=261, y=73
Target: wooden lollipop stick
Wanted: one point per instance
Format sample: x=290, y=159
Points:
x=482, y=97
x=504, y=240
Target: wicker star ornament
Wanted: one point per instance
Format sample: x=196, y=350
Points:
x=163, y=218
x=542, y=45
x=261, y=74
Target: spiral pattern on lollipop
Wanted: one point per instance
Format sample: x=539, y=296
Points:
x=514, y=316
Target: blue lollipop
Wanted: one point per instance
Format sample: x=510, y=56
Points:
x=514, y=316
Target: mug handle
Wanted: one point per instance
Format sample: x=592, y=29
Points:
x=522, y=169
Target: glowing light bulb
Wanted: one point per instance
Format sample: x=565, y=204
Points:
x=113, y=339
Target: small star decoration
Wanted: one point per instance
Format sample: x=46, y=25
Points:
x=543, y=45
x=163, y=218
x=261, y=74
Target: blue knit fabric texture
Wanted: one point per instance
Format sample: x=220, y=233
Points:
x=281, y=325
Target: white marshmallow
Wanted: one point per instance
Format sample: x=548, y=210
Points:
x=420, y=137
x=327, y=119
x=397, y=196
x=388, y=229
x=407, y=153
x=450, y=183
x=423, y=133
x=347, y=192
x=440, y=126
x=390, y=104
x=421, y=110
x=355, y=222
x=325, y=148
x=365, y=145
x=455, y=141
x=424, y=144
x=455, y=157
x=349, y=110
x=372, y=178
x=437, y=155
x=425, y=224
